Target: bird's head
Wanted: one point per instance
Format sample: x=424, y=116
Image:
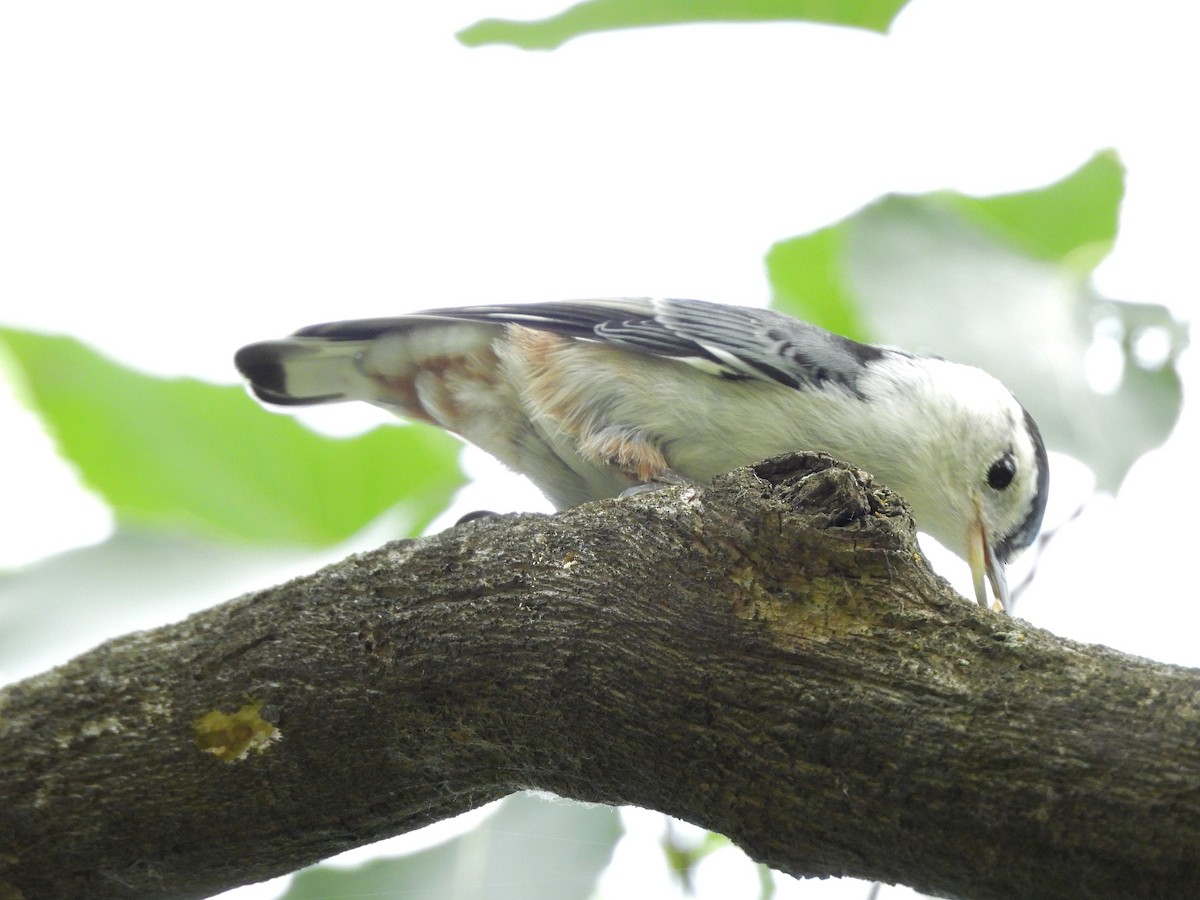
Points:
x=1006, y=509
x=977, y=468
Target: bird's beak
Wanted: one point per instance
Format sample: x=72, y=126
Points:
x=983, y=562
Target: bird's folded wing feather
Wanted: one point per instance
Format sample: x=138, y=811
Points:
x=730, y=341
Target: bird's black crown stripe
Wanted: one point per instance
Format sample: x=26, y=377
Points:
x=1022, y=536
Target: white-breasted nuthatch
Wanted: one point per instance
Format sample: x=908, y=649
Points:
x=590, y=398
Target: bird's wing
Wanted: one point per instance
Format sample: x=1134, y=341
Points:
x=730, y=341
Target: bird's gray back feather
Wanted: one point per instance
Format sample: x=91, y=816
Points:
x=733, y=342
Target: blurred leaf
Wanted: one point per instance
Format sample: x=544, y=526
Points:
x=766, y=882
x=63, y=605
x=683, y=856
x=810, y=283
x=608, y=15
x=529, y=849
x=1073, y=219
x=1002, y=283
x=180, y=452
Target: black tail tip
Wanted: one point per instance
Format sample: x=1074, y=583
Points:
x=262, y=366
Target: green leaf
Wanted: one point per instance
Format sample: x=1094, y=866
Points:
x=133, y=580
x=529, y=849
x=183, y=453
x=1002, y=283
x=1073, y=219
x=684, y=856
x=607, y=15
x=810, y=283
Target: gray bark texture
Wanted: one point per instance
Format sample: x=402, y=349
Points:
x=769, y=657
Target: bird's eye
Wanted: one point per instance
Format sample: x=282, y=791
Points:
x=1001, y=474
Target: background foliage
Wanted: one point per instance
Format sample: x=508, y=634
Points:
x=211, y=494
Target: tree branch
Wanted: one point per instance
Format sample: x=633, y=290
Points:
x=769, y=657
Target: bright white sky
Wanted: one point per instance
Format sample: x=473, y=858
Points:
x=177, y=179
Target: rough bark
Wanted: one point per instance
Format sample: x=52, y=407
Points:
x=769, y=657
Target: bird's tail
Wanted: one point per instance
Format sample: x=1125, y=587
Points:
x=303, y=370
x=419, y=367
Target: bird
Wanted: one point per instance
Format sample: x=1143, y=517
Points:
x=598, y=398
